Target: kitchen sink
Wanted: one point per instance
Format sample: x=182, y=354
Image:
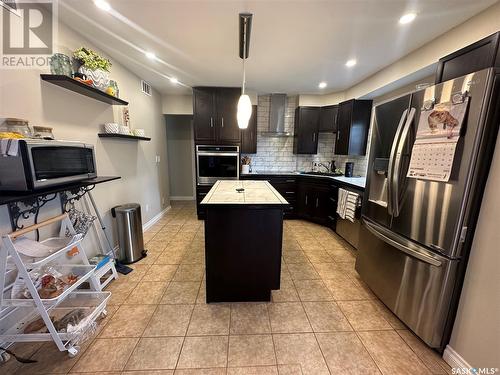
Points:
x=323, y=174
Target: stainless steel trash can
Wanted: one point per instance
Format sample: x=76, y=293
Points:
x=129, y=228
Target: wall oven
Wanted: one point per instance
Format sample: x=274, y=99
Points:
x=43, y=163
x=217, y=163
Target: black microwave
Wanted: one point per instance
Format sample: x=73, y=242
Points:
x=36, y=164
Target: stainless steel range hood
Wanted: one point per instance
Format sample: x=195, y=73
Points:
x=277, y=112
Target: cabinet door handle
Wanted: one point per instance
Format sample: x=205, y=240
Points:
x=222, y=122
x=289, y=192
x=306, y=200
x=314, y=137
x=211, y=122
x=290, y=180
x=338, y=134
x=317, y=202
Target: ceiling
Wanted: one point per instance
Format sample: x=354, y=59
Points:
x=294, y=44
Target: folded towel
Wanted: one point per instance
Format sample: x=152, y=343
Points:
x=347, y=203
x=9, y=147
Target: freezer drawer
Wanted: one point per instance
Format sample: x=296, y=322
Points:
x=416, y=284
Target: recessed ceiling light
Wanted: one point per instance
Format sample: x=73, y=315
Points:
x=407, y=18
x=150, y=55
x=174, y=80
x=350, y=63
x=101, y=4
x=322, y=85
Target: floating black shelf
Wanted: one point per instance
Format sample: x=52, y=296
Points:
x=124, y=136
x=81, y=88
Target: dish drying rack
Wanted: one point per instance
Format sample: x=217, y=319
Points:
x=17, y=313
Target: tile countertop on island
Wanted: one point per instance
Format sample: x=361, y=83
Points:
x=356, y=182
x=255, y=192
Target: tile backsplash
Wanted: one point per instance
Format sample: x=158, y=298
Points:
x=276, y=153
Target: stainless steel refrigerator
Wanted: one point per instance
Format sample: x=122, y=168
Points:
x=417, y=233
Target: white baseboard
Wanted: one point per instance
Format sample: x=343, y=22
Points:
x=454, y=359
x=181, y=198
x=153, y=220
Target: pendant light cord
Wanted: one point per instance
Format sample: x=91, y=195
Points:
x=245, y=20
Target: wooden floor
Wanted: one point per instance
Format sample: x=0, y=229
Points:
x=324, y=320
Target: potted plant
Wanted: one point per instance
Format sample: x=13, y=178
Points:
x=93, y=66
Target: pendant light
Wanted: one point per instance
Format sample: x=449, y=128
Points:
x=244, y=104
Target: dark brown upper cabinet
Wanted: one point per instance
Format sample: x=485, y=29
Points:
x=482, y=54
x=249, y=135
x=305, y=135
x=353, y=123
x=214, y=115
x=328, y=119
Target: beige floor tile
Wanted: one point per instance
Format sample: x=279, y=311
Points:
x=302, y=349
x=139, y=270
x=391, y=354
x=202, y=293
x=429, y=357
x=363, y=315
x=146, y=293
x=294, y=257
x=302, y=271
x=120, y=289
x=326, y=317
x=189, y=272
x=251, y=350
x=289, y=370
x=128, y=321
x=181, y=292
x=288, y=317
x=50, y=360
x=347, y=290
x=312, y=290
x=155, y=353
x=249, y=318
x=193, y=257
x=329, y=270
x=201, y=371
x=345, y=354
x=209, y=320
x=169, y=320
x=257, y=370
x=148, y=372
x=389, y=316
x=286, y=293
x=149, y=259
x=319, y=256
x=170, y=257
x=160, y=272
x=106, y=355
x=342, y=255
x=204, y=352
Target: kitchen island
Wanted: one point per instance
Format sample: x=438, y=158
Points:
x=243, y=237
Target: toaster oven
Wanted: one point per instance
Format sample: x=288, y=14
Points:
x=44, y=163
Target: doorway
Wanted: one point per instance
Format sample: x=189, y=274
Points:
x=180, y=151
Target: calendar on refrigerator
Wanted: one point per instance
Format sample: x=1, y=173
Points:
x=436, y=141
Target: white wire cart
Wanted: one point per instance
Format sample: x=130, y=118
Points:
x=66, y=316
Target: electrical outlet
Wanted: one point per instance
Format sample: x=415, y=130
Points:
x=147, y=208
x=162, y=201
x=158, y=159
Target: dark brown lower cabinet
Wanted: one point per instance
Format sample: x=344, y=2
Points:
x=201, y=192
x=313, y=201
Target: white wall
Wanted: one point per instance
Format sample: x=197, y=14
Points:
x=476, y=333
x=76, y=117
x=177, y=104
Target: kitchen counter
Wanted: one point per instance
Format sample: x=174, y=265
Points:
x=243, y=238
x=254, y=192
x=356, y=182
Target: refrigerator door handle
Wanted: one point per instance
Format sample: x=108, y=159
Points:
x=397, y=163
x=390, y=170
x=402, y=244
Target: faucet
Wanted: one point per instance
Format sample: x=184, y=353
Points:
x=327, y=166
